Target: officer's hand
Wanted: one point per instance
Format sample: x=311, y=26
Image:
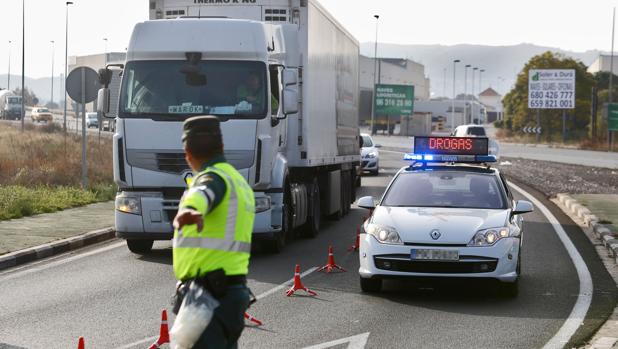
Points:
x=189, y=217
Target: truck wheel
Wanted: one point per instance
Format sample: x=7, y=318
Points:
x=345, y=193
x=140, y=246
x=312, y=227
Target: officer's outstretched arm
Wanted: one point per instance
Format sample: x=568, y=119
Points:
x=189, y=217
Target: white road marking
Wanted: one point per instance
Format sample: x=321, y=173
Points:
x=259, y=297
x=149, y=340
x=283, y=285
x=29, y=269
x=355, y=342
x=578, y=314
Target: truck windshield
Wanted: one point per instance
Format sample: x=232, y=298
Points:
x=14, y=100
x=175, y=90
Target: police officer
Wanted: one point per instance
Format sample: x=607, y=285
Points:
x=213, y=228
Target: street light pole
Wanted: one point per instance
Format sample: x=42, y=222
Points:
x=610, y=134
x=466, y=93
x=23, y=64
x=8, y=83
x=481, y=80
x=375, y=77
x=105, y=39
x=454, y=94
x=51, y=104
x=66, y=62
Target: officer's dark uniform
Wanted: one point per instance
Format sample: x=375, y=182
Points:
x=223, y=247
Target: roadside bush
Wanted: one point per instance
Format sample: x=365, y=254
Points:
x=499, y=124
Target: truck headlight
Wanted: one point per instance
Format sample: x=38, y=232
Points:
x=128, y=204
x=384, y=234
x=489, y=237
x=262, y=204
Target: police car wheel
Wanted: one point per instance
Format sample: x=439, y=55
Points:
x=140, y=246
x=371, y=285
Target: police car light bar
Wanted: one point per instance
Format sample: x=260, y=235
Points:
x=451, y=149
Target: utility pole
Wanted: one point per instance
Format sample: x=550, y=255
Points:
x=8, y=83
x=610, y=134
x=375, y=78
x=444, y=84
x=23, y=64
x=66, y=63
x=52, y=73
x=454, y=94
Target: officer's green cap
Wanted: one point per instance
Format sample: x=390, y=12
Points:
x=202, y=126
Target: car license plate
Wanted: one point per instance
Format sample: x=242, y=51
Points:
x=434, y=255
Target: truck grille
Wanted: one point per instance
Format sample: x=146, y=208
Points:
x=171, y=162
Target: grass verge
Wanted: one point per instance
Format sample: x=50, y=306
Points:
x=18, y=201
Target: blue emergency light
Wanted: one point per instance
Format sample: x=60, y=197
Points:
x=451, y=149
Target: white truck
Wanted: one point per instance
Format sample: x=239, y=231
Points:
x=282, y=75
x=10, y=106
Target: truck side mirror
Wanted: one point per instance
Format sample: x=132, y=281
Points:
x=290, y=77
x=290, y=101
x=103, y=101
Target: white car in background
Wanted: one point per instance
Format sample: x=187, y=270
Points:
x=478, y=131
x=370, y=156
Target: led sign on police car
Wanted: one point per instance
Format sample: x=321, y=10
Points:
x=451, y=145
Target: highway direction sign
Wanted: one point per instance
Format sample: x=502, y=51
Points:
x=394, y=100
x=551, y=89
x=536, y=130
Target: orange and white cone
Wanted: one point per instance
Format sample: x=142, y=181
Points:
x=252, y=319
x=298, y=285
x=164, y=334
x=81, y=344
x=356, y=245
x=330, y=266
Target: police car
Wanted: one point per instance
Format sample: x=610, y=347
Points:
x=448, y=214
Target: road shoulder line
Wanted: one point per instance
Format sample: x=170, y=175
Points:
x=584, y=298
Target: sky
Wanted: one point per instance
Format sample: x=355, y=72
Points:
x=576, y=25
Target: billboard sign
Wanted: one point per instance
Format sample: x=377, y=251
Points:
x=394, y=100
x=551, y=89
x=612, y=117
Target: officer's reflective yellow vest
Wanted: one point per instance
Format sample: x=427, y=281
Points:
x=225, y=241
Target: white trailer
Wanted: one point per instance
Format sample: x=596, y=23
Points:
x=297, y=143
x=10, y=105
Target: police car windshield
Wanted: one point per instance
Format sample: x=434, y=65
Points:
x=175, y=90
x=445, y=189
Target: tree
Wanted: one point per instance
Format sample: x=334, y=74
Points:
x=30, y=99
x=578, y=119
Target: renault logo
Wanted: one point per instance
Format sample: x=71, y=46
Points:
x=435, y=234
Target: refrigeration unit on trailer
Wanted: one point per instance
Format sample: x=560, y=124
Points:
x=283, y=78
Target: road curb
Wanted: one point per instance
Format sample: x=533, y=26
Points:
x=601, y=232
x=54, y=248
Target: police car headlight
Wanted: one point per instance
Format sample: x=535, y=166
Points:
x=262, y=204
x=128, y=204
x=489, y=237
x=384, y=234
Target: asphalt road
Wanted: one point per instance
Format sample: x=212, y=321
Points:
x=113, y=298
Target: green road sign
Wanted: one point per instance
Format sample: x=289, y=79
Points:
x=394, y=100
x=612, y=117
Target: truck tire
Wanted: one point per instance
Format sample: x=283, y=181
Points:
x=346, y=192
x=312, y=227
x=140, y=246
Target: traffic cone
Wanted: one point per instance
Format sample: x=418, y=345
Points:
x=164, y=334
x=298, y=285
x=252, y=319
x=356, y=245
x=330, y=265
x=80, y=343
